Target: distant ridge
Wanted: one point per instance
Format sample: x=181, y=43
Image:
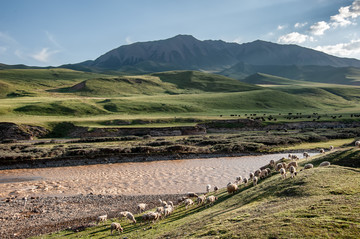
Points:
x=184, y=52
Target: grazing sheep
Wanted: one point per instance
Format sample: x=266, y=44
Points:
x=293, y=163
x=251, y=175
x=272, y=163
x=245, y=180
x=208, y=188
x=168, y=210
x=141, y=207
x=294, y=157
x=170, y=203
x=306, y=155
x=324, y=164
x=181, y=199
x=201, y=199
x=151, y=216
x=264, y=173
x=211, y=199
x=292, y=170
x=283, y=173
x=255, y=180
x=357, y=143
x=308, y=166
x=116, y=226
x=238, y=180
x=284, y=165
x=160, y=210
x=268, y=170
x=231, y=188
x=279, y=166
x=331, y=148
x=216, y=188
x=101, y=218
x=322, y=151
x=188, y=202
x=257, y=173
x=289, y=156
x=130, y=216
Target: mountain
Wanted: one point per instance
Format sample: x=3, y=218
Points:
x=184, y=52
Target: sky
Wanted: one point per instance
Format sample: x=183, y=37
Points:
x=56, y=32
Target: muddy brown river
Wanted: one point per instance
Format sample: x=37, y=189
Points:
x=156, y=177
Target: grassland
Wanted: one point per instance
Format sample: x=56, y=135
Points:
x=318, y=203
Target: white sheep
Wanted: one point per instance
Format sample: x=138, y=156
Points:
x=160, y=210
x=293, y=163
x=324, y=164
x=264, y=173
x=322, y=151
x=268, y=170
x=255, y=180
x=211, y=199
x=283, y=173
x=101, y=218
x=272, y=163
x=289, y=156
x=278, y=166
x=188, y=202
x=116, y=226
x=308, y=166
x=251, y=175
x=357, y=143
x=201, y=199
x=151, y=216
x=141, y=207
x=238, y=180
x=331, y=148
x=170, y=203
x=168, y=210
x=231, y=188
x=208, y=188
x=192, y=194
x=257, y=173
x=292, y=170
x=216, y=188
x=245, y=180
x=294, y=157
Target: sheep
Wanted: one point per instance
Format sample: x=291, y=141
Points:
x=255, y=180
x=208, y=188
x=331, y=148
x=293, y=163
x=188, y=202
x=308, y=166
x=263, y=174
x=251, y=175
x=181, y=199
x=272, y=163
x=201, y=199
x=116, y=226
x=231, y=188
x=294, y=157
x=306, y=155
x=131, y=217
x=279, y=166
x=151, y=216
x=322, y=151
x=283, y=173
x=257, y=173
x=289, y=156
x=101, y=218
x=324, y=164
x=211, y=199
x=141, y=207
x=245, y=180
x=160, y=210
x=216, y=188
x=357, y=143
x=238, y=180
x=268, y=170
x=170, y=203
x=292, y=170
x=168, y=210
x=284, y=165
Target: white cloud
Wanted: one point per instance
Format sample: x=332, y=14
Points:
x=294, y=38
x=281, y=27
x=319, y=28
x=128, y=40
x=300, y=24
x=44, y=55
x=350, y=49
x=346, y=15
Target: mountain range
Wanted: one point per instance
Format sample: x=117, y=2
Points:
x=184, y=52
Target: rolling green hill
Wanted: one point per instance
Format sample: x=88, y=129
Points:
x=266, y=79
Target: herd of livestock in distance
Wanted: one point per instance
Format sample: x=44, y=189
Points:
x=166, y=208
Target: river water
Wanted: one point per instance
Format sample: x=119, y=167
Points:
x=156, y=177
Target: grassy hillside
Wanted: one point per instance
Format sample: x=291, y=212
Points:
x=266, y=79
x=318, y=203
x=194, y=80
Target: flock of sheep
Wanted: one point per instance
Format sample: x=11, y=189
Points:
x=166, y=208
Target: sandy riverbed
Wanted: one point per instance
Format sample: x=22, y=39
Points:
x=157, y=177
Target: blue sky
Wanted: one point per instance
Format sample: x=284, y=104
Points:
x=55, y=32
